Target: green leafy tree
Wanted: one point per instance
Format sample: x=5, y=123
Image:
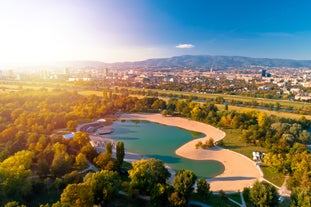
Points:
x=89, y=151
x=210, y=142
x=159, y=195
x=13, y=204
x=105, y=161
x=203, y=189
x=177, y=200
x=61, y=164
x=77, y=195
x=263, y=195
x=109, y=148
x=43, y=167
x=183, y=183
x=146, y=174
x=81, y=139
x=72, y=125
x=15, y=182
x=120, y=154
x=301, y=197
x=81, y=161
x=104, y=184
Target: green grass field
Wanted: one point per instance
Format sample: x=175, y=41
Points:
x=233, y=142
x=272, y=176
x=215, y=200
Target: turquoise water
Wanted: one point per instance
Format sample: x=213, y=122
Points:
x=160, y=142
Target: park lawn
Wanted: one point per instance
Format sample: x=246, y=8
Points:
x=233, y=142
x=214, y=200
x=272, y=176
x=235, y=196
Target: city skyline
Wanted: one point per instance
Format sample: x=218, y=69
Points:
x=113, y=31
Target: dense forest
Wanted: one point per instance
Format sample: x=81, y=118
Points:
x=38, y=166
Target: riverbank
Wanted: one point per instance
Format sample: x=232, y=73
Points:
x=239, y=171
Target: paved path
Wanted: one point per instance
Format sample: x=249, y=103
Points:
x=242, y=199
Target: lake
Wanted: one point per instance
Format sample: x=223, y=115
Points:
x=160, y=142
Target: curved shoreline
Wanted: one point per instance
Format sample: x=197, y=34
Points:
x=239, y=171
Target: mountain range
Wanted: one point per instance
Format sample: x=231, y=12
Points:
x=216, y=62
x=204, y=62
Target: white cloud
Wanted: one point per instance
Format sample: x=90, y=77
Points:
x=185, y=46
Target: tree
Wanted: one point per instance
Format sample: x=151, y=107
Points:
x=120, y=154
x=159, y=195
x=146, y=174
x=104, y=184
x=301, y=197
x=197, y=113
x=89, y=151
x=263, y=195
x=81, y=161
x=164, y=112
x=226, y=107
x=210, y=142
x=14, y=176
x=177, y=200
x=72, y=125
x=105, y=161
x=42, y=167
x=109, y=148
x=183, y=183
x=61, y=164
x=262, y=119
x=203, y=189
x=158, y=104
x=77, y=195
x=304, y=137
x=81, y=139
x=13, y=204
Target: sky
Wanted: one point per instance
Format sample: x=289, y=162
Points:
x=37, y=31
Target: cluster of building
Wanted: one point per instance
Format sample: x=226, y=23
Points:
x=287, y=80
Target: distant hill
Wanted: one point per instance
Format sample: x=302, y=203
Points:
x=217, y=62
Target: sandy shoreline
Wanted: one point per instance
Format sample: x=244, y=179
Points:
x=239, y=171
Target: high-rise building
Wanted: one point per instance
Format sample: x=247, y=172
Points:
x=263, y=73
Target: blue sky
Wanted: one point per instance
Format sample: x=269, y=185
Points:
x=127, y=30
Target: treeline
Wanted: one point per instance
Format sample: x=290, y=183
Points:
x=252, y=103
x=51, y=163
x=28, y=119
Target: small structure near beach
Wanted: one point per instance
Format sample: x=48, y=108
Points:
x=96, y=127
x=258, y=156
x=69, y=136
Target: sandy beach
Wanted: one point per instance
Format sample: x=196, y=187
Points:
x=239, y=171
